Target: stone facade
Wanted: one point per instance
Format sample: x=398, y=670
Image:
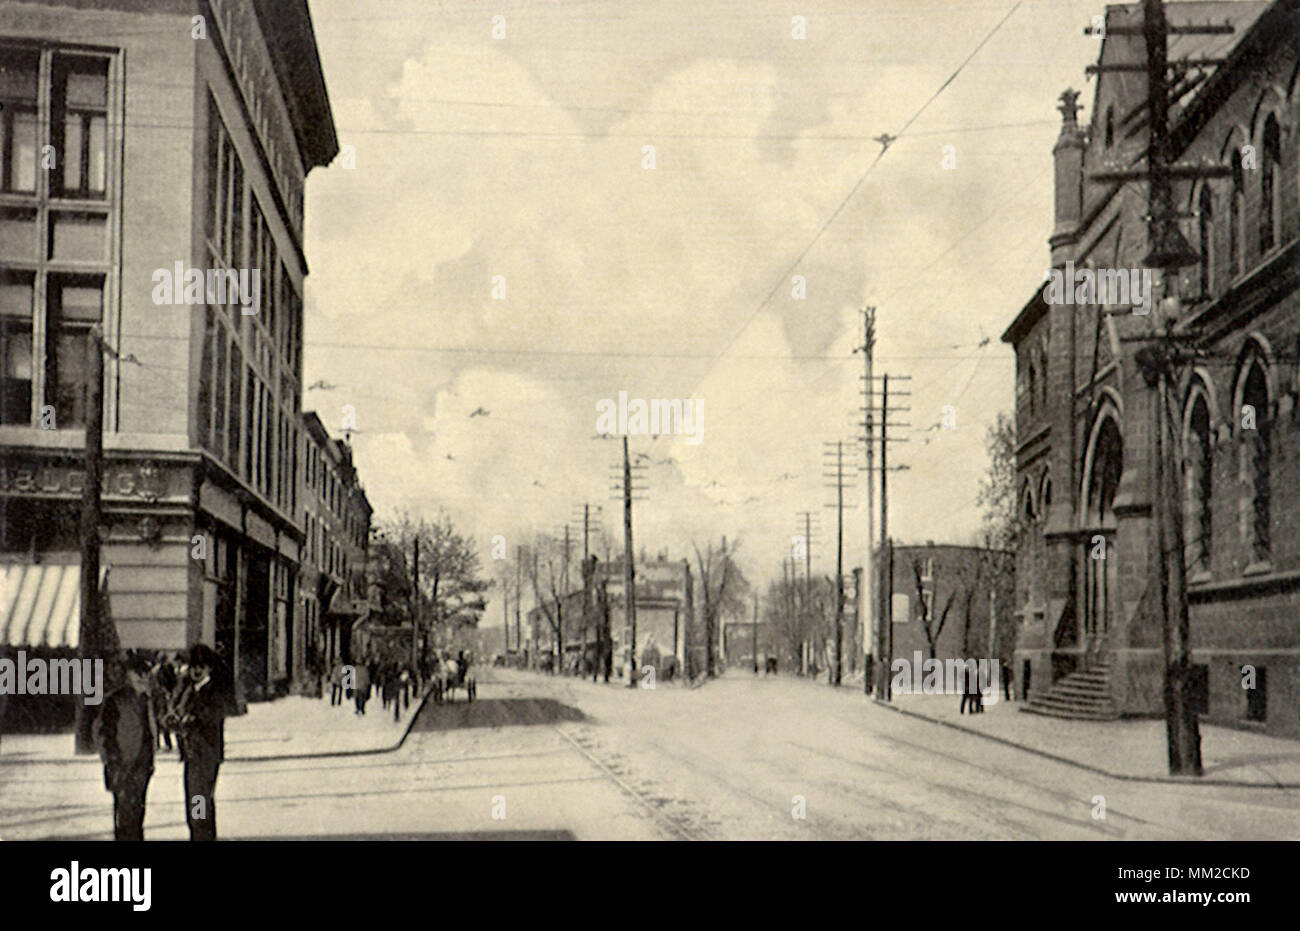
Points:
x=1087, y=570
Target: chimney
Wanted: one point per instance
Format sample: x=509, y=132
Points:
x=1068, y=156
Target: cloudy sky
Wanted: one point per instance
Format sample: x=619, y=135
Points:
x=524, y=157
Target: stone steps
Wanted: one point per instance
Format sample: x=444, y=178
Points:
x=1080, y=696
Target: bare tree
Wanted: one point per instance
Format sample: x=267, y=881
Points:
x=725, y=592
x=931, y=625
x=546, y=571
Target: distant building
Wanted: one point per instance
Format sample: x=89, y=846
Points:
x=944, y=597
x=336, y=522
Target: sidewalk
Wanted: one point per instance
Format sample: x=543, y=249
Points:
x=1132, y=749
x=293, y=727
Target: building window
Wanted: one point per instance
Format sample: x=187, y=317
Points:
x=54, y=131
x=1236, y=217
x=1255, y=463
x=80, y=126
x=1270, y=207
x=1198, y=483
x=1110, y=126
x=1257, y=698
x=75, y=304
x=16, y=348
x=1205, y=228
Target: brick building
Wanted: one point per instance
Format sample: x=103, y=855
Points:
x=1083, y=410
x=943, y=597
x=194, y=158
x=336, y=523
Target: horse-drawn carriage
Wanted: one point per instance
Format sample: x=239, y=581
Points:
x=453, y=674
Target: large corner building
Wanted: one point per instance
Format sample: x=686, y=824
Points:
x=138, y=138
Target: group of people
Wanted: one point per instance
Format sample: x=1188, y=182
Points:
x=395, y=682
x=149, y=699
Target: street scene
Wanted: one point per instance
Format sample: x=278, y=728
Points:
x=581, y=420
x=563, y=759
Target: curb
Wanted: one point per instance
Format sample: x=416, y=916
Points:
x=1097, y=770
x=369, y=751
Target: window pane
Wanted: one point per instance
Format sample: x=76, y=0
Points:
x=80, y=303
x=16, y=295
x=219, y=386
x=15, y=373
x=21, y=157
x=72, y=153
x=67, y=374
x=234, y=379
x=85, y=81
x=205, y=381
x=18, y=74
x=97, y=158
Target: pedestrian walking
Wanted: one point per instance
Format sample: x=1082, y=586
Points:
x=336, y=683
x=124, y=738
x=199, y=713
x=361, y=686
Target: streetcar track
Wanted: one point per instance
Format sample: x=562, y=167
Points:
x=650, y=808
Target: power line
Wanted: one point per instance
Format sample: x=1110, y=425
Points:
x=861, y=179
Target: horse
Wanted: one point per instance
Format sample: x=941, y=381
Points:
x=451, y=676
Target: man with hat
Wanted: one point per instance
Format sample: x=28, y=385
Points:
x=125, y=738
x=199, y=716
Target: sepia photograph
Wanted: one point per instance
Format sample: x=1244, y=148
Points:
x=595, y=420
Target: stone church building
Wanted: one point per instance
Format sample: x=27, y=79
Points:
x=1089, y=642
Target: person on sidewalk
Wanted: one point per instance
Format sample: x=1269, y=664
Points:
x=124, y=738
x=162, y=688
x=199, y=712
x=336, y=683
x=361, y=685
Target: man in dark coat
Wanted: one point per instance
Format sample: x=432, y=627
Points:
x=200, y=711
x=124, y=736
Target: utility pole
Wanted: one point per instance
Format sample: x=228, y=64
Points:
x=629, y=571
x=1160, y=360
x=867, y=609
x=805, y=612
x=755, y=643
x=519, y=591
x=885, y=628
x=836, y=675
x=415, y=601
x=532, y=643
x=91, y=635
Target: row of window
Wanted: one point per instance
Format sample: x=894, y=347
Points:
x=1253, y=470
x=1262, y=165
x=1254, y=462
x=239, y=236
x=54, y=171
x=64, y=133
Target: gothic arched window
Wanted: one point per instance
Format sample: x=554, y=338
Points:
x=1198, y=481
x=1236, y=214
x=1205, y=225
x=1270, y=207
x=1254, y=465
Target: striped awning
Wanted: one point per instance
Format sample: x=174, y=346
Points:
x=40, y=605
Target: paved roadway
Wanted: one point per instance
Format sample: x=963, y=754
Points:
x=739, y=758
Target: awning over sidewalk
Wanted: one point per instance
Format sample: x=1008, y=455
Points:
x=40, y=605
